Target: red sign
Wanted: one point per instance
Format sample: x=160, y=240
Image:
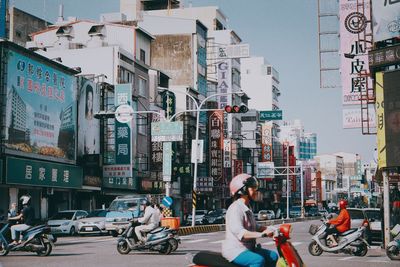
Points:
x=216, y=145
x=237, y=167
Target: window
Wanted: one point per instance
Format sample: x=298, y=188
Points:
x=142, y=124
x=142, y=86
x=124, y=75
x=142, y=55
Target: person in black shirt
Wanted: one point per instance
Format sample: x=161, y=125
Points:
x=27, y=215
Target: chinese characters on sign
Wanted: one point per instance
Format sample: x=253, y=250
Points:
x=39, y=173
x=41, y=104
x=237, y=167
x=216, y=145
x=227, y=153
x=224, y=82
x=386, y=19
x=119, y=175
x=205, y=184
x=266, y=152
x=354, y=57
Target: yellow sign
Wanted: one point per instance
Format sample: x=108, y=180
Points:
x=380, y=121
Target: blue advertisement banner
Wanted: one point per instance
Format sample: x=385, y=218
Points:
x=41, y=110
x=3, y=22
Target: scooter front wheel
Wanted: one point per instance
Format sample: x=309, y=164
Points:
x=393, y=252
x=3, y=248
x=123, y=247
x=314, y=248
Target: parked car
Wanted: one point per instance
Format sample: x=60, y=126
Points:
x=122, y=209
x=313, y=212
x=295, y=211
x=215, y=217
x=375, y=224
x=66, y=222
x=93, y=223
x=265, y=215
x=199, y=217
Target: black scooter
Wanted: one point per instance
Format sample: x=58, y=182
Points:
x=34, y=239
x=161, y=239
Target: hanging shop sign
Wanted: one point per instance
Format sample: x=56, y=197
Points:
x=354, y=57
x=227, y=153
x=216, y=143
x=119, y=174
x=43, y=174
x=386, y=19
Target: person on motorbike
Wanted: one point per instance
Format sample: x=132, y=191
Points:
x=149, y=221
x=239, y=246
x=340, y=224
x=27, y=215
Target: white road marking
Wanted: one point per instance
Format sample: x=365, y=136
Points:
x=268, y=243
x=217, y=242
x=378, y=261
x=296, y=243
x=196, y=241
x=345, y=259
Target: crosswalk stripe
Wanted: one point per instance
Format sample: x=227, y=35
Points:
x=217, y=242
x=196, y=241
x=296, y=243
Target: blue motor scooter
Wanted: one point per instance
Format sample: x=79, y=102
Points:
x=393, y=248
x=34, y=239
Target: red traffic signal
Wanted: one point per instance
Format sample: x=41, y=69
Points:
x=236, y=109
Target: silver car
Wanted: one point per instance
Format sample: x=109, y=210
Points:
x=94, y=223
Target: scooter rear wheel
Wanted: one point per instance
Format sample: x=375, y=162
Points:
x=361, y=251
x=166, y=249
x=47, y=248
x=123, y=247
x=314, y=248
x=3, y=250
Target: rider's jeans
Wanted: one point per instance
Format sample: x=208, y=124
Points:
x=19, y=228
x=257, y=258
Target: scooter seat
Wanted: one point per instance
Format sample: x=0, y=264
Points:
x=157, y=230
x=348, y=232
x=31, y=228
x=209, y=258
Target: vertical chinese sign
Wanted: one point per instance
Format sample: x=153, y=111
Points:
x=237, y=167
x=380, y=120
x=119, y=175
x=266, y=152
x=216, y=142
x=354, y=54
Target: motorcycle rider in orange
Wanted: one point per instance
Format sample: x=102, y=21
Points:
x=340, y=224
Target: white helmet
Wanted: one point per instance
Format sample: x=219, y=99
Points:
x=25, y=199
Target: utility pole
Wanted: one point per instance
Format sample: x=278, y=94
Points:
x=302, y=189
x=287, y=180
x=386, y=208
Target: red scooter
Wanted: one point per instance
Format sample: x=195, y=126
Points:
x=288, y=255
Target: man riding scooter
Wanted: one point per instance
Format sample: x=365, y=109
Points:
x=27, y=215
x=340, y=224
x=150, y=220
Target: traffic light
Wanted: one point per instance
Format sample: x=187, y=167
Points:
x=236, y=109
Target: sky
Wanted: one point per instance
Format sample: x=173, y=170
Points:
x=285, y=33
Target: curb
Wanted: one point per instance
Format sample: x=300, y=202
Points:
x=189, y=230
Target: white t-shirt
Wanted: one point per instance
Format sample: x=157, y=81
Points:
x=239, y=219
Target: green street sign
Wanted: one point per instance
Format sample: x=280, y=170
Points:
x=270, y=115
x=40, y=173
x=166, y=131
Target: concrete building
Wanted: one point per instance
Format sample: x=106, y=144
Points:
x=119, y=53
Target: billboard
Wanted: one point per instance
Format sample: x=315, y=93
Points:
x=352, y=118
x=386, y=19
x=89, y=127
x=224, y=82
x=3, y=21
x=41, y=109
x=391, y=95
x=353, y=54
x=266, y=152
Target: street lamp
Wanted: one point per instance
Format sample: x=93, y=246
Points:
x=198, y=110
